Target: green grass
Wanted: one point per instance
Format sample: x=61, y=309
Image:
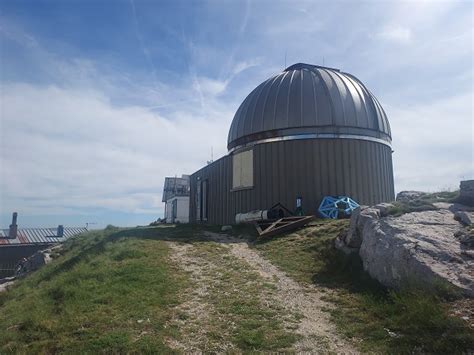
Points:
x=423, y=203
x=107, y=292
x=419, y=321
x=118, y=291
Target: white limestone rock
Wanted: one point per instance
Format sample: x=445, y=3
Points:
x=406, y=196
x=420, y=248
x=426, y=248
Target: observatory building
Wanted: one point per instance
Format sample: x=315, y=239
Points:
x=308, y=132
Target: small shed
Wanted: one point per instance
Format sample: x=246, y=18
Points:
x=17, y=243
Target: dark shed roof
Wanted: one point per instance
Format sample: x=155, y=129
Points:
x=308, y=99
x=30, y=236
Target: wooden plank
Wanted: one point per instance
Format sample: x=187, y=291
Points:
x=282, y=225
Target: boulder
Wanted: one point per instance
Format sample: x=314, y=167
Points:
x=361, y=221
x=453, y=207
x=467, y=240
x=384, y=208
x=406, y=196
x=419, y=248
x=425, y=248
x=466, y=192
x=465, y=217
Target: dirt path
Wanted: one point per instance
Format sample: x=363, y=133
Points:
x=316, y=333
x=192, y=316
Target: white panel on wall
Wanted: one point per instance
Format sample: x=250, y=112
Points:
x=242, y=169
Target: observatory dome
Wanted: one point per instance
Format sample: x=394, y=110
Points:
x=309, y=101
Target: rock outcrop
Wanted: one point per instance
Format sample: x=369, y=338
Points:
x=406, y=196
x=466, y=192
x=425, y=248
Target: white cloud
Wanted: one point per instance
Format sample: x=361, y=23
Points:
x=210, y=87
x=246, y=64
x=69, y=148
x=397, y=34
x=433, y=143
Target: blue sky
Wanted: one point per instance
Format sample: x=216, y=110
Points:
x=100, y=100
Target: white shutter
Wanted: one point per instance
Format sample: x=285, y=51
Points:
x=242, y=169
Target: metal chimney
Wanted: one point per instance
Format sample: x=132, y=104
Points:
x=60, y=232
x=13, y=231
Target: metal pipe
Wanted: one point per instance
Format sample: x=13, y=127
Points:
x=252, y=216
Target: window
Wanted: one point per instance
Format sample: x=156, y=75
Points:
x=242, y=170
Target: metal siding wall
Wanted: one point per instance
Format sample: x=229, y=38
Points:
x=307, y=168
x=316, y=169
x=339, y=165
x=372, y=172
x=355, y=164
x=275, y=162
x=385, y=175
x=330, y=155
x=384, y=172
x=346, y=167
x=365, y=174
x=383, y=187
x=291, y=161
x=391, y=186
x=324, y=166
x=265, y=178
x=378, y=191
x=307, y=177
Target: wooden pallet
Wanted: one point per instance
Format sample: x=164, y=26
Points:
x=282, y=225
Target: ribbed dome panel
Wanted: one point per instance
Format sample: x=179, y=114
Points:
x=308, y=99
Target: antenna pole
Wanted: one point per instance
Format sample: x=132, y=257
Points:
x=285, y=61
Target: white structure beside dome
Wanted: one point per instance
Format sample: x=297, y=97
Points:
x=176, y=199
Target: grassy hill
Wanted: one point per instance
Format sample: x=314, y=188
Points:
x=110, y=290
x=121, y=290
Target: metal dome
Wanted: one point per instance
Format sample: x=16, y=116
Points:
x=309, y=101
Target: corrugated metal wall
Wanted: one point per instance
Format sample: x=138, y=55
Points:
x=309, y=168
